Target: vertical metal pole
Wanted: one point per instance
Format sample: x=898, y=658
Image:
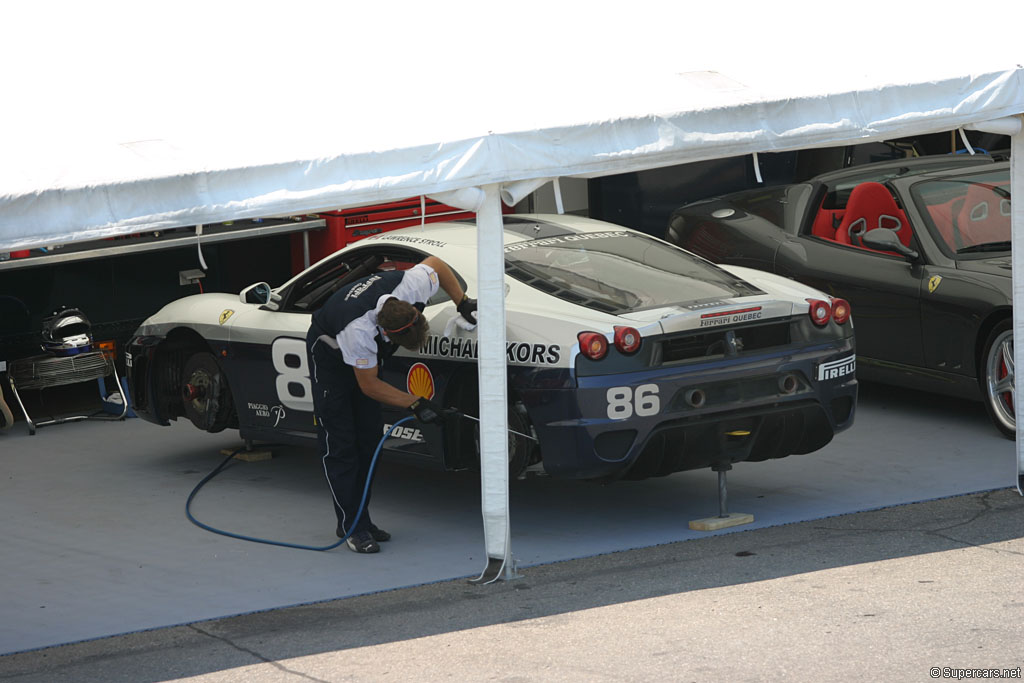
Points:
x=1017, y=261
x=723, y=495
x=305, y=249
x=493, y=391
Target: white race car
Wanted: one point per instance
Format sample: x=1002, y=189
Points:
x=627, y=356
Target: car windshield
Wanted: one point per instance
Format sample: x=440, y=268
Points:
x=618, y=271
x=968, y=213
x=839, y=189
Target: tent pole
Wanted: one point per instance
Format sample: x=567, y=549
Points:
x=493, y=391
x=1017, y=260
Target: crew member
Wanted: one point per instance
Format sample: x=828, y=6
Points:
x=348, y=339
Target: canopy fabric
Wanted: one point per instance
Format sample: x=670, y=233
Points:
x=97, y=189
x=122, y=118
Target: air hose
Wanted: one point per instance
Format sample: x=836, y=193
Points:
x=254, y=539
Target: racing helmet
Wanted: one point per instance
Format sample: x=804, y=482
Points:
x=67, y=332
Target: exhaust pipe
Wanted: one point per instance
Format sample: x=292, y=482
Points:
x=788, y=384
x=695, y=397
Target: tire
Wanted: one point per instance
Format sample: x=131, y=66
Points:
x=996, y=378
x=205, y=395
x=520, y=448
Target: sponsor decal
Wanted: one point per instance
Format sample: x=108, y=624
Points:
x=419, y=381
x=933, y=283
x=263, y=410
x=407, y=433
x=407, y=238
x=522, y=353
x=837, y=369
x=564, y=239
x=356, y=291
x=739, y=315
x=362, y=362
x=225, y=314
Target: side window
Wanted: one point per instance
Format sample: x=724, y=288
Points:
x=310, y=293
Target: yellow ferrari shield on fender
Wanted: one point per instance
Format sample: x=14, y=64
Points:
x=225, y=314
x=933, y=283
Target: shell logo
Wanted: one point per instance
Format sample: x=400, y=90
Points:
x=420, y=381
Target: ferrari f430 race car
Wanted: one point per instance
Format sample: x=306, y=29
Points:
x=626, y=356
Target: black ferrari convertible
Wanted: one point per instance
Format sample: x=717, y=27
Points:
x=919, y=247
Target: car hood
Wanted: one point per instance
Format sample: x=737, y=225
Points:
x=996, y=265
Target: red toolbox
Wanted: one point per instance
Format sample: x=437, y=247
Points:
x=350, y=225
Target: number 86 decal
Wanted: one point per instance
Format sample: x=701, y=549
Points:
x=623, y=402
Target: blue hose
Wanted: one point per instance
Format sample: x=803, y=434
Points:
x=283, y=544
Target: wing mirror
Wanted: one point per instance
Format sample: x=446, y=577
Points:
x=260, y=293
x=885, y=239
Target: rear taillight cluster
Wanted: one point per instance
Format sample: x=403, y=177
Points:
x=823, y=311
x=594, y=345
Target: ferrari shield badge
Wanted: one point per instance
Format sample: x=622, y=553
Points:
x=225, y=314
x=933, y=283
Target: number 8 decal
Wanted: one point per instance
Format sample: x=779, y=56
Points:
x=294, y=389
x=623, y=402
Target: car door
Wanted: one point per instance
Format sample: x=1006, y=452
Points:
x=270, y=373
x=883, y=290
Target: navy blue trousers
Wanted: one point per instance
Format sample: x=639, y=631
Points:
x=349, y=427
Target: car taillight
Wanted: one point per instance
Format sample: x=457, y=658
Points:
x=840, y=310
x=820, y=312
x=627, y=339
x=593, y=345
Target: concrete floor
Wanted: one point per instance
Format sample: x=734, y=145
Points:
x=97, y=542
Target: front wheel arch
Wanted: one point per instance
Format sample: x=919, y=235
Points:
x=984, y=330
x=170, y=359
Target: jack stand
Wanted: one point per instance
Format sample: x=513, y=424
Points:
x=725, y=518
x=497, y=568
x=247, y=454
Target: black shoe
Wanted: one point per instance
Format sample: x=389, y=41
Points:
x=378, y=534
x=362, y=542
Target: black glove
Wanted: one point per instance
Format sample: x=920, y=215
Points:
x=428, y=412
x=467, y=308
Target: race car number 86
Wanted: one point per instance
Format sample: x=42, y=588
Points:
x=623, y=402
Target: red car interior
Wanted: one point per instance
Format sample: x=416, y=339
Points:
x=870, y=206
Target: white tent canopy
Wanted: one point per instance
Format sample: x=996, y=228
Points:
x=62, y=185
x=125, y=117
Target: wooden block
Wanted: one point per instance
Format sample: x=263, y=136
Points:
x=716, y=523
x=248, y=456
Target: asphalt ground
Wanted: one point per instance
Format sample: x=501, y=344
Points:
x=897, y=594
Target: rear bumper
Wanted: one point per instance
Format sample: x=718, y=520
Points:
x=769, y=406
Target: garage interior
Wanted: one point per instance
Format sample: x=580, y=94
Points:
x=100, y=545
